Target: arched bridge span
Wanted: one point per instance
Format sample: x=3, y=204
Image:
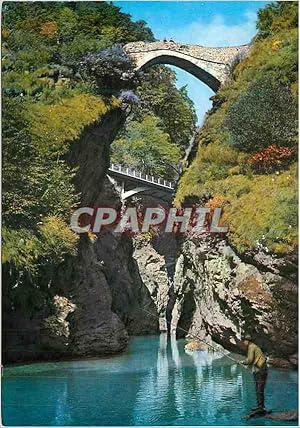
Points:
x=210, y=65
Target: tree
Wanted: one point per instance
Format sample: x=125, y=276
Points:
x=45, y=42
x=159, y=96
x=146, y=147
x=265, y=115
x=172, y=113
x=276, y=17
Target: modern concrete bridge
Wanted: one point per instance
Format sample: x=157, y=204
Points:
x=133, y=182
x=210, y=65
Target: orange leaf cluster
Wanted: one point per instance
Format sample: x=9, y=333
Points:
x=49, y=29
x=271, y=157
x=218, y=201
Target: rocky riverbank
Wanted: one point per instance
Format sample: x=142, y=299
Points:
x=216, y=294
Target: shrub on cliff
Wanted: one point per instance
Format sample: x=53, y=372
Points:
x=272, y=158
x=265, y=115
x=30, y=259
x=109, y=70
x=35, y=181
x=44, y=42
x=276, y=17
x=265, y=213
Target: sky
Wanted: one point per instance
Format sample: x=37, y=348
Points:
x=208, y=23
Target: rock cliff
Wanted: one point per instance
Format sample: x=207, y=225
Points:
x=203, y=288
x=117, y=286
x=111, y=299
x=219, y=294
x=156, y=260
x=99, y=298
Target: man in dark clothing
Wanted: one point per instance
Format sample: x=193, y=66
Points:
x=258, y=361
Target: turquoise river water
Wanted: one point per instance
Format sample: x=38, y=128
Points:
x=154, y=383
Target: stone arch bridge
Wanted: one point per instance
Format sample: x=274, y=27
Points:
x=210, y=65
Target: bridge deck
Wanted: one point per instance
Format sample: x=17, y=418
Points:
x=137, y=176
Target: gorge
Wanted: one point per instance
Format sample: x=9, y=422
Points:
x=112, y=326
x=117, y=286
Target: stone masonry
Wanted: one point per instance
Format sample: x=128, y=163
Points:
x=211, y=65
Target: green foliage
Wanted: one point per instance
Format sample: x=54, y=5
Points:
x=159, y=96
x=47, y=35
x=34, y=185
x=276, y=56
x=57, y=239
x=25, y=250
x=20, y=248
x=31, y=259
x=148, y=148
x=166, y=118
x=256, y=118
x=52, y=125
x=276, y=17
x=214, y=162
x=46, y=105
x=266, y=114
x=265, y=213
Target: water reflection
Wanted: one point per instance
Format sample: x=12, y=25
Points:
x=182, y=379
x=196, y=388
x=155, y=383
x=62, y=410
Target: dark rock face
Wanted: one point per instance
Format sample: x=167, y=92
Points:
x=218, y=296
x=111, y=299
x=99, y=296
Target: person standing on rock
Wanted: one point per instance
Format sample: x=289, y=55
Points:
x=258, y=361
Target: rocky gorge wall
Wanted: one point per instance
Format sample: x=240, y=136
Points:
x=216, y=294
x=231, y=296
x=108, y=290
x=118, y=286
x=156, y=259
x=99, y=297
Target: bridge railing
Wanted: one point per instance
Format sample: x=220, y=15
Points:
x=141, y=175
